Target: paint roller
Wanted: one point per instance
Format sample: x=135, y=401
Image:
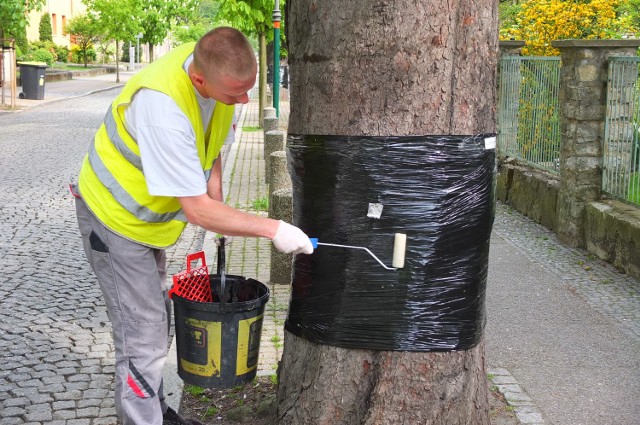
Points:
x=399, y=249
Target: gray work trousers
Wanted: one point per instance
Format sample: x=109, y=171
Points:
x=132, y=280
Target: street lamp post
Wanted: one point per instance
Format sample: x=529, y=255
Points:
x=138, y=37
x=277, y=17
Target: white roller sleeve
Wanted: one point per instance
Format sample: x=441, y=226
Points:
x=399, y=249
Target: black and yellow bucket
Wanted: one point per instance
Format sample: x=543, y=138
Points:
x=218, y=343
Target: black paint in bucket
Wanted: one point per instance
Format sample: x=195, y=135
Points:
x=218, y=342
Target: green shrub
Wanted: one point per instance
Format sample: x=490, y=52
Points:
x=46, y=45
x=21, y=41
x=42, y=55
x=62, y=53
x=46, y=31
x=76, y=55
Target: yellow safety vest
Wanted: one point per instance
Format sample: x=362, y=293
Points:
x=111, y=180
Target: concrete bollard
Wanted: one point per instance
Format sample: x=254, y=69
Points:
x=278, y=177
x=270, y=124
x=281, y=208
x=273, y=142
x=269, y=112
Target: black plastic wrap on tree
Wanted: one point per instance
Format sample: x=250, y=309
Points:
x=439, y=191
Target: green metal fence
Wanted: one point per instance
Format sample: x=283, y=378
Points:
x=621, y=147
x=529, y=115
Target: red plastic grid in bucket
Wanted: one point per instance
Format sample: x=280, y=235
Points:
x=193, y=284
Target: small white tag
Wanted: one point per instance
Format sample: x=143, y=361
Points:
x=490, y=143
x=375, y=211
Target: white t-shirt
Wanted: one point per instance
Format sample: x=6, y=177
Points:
x=167, y=141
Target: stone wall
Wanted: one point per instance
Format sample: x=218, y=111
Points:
x=532, y=192
x=611, y=228
x=572, y=204
x=613, y=234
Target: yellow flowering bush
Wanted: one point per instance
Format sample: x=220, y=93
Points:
x=542, y=21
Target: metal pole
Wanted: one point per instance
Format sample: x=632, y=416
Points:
x=277, y=17
x=138, y=37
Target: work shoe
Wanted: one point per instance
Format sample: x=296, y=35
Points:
x=171, y=417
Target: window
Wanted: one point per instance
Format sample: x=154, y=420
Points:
x=54, y=23
x=64, y=25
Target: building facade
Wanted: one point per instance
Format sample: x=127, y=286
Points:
x=61, y=12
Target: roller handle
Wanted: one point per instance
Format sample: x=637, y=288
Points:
x=399, y=248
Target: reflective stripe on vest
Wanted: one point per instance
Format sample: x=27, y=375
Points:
x=112, y=131
x=122, y=196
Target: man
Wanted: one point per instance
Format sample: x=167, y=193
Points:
x=153, y=166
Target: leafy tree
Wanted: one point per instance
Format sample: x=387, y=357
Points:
x=160, y=16
x=85, y=32
x=541, y=21
x=45, y=29
x=119, y=20
x=13, y=18
x=253, y=17
x=507, y=16
x=184, y=34
x=204, y=19
x=630, y=16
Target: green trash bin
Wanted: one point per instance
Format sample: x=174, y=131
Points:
x=32, y=80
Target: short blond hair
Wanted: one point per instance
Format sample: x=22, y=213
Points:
x=225, y=51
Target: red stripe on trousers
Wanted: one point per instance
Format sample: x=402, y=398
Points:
x=136, y=389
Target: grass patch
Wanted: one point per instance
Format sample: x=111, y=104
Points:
x=194, y=390
x=260, y=204
x=211, y=411
x=276, y=341
x=250, y=129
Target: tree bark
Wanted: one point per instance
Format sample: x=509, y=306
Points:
x=388, y=68
x=324, y=385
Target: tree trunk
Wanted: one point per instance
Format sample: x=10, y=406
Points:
x=150, y=52
x=388, y=69
x=262, y=85
x=117, y=63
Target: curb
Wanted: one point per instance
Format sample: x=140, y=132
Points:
x=58, y=99
x=527, y=413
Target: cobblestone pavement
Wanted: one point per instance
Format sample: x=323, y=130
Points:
x=56, y=355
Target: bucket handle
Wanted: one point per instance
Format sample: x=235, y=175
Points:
x=221, y=265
